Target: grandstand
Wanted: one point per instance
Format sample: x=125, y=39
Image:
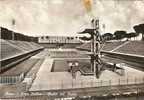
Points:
x=12, y=49
x=14, y=55
x=133, y=47
x=108, y=46
x=8, y=50
x=129, y=52
x=127, y=47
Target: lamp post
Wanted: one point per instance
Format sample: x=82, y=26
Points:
x=13, y=25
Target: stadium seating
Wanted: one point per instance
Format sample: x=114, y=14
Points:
x=133, y=47
x=18, y=44
x=108, y=46
x=13, y=52
x=8, y=50
x=26, y=46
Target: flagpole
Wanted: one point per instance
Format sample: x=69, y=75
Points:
x=13, y=25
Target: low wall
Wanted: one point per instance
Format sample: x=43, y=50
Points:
x=10, y=62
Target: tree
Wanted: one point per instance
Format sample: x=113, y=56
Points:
x=131, y=35
x=47, y=37
x=68, y=38
x=107, y=36
x=119, y=34
x=139, y=29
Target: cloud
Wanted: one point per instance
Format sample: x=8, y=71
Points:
x=66, y=17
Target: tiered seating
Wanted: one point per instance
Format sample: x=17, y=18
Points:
x=32, y=45
x=19, y=44
x=26, y=46
x=133, y=47
x=108, y=46
x=8, y=50
x=13, y=52
x=130, y=47
x=35, y=44
x=85, y=46
x=10, y=47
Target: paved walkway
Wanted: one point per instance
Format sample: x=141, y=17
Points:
x=64, y=80
x=43, y=72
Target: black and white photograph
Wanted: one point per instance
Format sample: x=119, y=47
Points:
x=71, y=49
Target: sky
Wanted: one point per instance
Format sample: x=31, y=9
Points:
x=67, y=17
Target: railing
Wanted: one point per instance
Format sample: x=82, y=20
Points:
x=124, y=88
x=11, y=79
x=133, y=86
x=7, y=63
x=74, y=84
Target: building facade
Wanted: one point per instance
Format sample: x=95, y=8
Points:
x=58, y=39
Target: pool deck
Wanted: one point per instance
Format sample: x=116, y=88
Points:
x=47, y=80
